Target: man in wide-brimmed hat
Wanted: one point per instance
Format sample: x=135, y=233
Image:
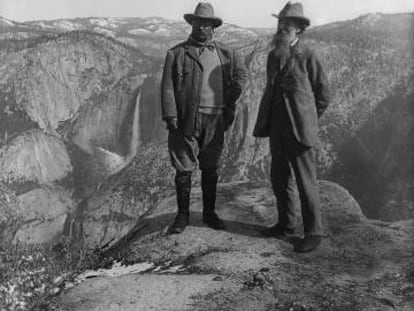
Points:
x=201, y=82
x=295, y=96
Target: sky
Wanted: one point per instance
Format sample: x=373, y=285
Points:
x=246, y=13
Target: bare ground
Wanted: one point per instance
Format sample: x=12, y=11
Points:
x=361, y=264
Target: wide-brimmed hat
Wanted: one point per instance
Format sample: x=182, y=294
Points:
x=293, y=11
x=205, y=11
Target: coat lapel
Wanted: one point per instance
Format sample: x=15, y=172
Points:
x=224, y=57
x=286, y=65
x=225, y=64
x=192, y=51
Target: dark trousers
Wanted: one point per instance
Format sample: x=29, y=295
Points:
x=293, y=161
x=206, y=145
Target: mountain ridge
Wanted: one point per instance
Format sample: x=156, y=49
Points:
x=102, y=81
x=96, y=103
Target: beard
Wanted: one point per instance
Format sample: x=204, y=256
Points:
x=281, y=44
x=282, y=39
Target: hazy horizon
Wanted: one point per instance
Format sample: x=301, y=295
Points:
x=243, y=13
x=178, y=20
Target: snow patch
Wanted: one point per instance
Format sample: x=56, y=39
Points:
x=67, y=25
x=116, y=270
x=153, y=20
x=139, y=31
x=119, y=269
x=104, y=31
x=371, y=19
x=128, y=41
x=42, y=24
x=164, y=31
x=105, y=22
x=5, y=21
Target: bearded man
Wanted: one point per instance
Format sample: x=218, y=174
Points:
x=201, y=82
x=296, y=95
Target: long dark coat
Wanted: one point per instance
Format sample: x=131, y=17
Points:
x=302, y=86
x=182, y=78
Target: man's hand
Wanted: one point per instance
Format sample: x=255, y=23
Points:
x=172, y=124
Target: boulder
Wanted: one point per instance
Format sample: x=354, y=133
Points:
x=122, y=199
x=360, y=265
x=44, y=213
x=34, y=157
x=10, y=219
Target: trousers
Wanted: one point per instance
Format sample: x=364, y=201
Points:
x=292, y=161
x=205, y=146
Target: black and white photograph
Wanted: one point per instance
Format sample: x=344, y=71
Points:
x=214, y=155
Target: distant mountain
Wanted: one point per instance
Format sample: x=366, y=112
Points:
x=153, y=36
x=4, y=23
x=371, y=31
x=87, y=89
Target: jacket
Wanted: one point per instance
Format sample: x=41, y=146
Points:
x=182, y=78
x=302, y=86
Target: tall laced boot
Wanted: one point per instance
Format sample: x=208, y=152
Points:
x=208, y=186
x=183, y=188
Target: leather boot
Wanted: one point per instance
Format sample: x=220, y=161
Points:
x=277, y=231
x=208, y=186
x=183, y=188
x=309, y=243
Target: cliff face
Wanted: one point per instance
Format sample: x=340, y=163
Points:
x=366, y=128
x=372, y=90
x=85, y=102
x=10, y=215
x=67, y=100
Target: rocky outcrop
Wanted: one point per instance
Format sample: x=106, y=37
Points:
x=68, y=108
x=45, y=211
x=10, y=215
x=34, y=157
x=97, y=100
x=113, y=211
x=360, y=265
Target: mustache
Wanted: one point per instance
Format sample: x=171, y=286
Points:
x=202, y=34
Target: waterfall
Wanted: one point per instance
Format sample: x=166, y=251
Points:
x=112, y=162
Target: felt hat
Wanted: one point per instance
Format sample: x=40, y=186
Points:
x=205, y=11
x=293, y=11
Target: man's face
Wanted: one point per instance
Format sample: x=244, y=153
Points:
x=202, y=29
x=287, y=31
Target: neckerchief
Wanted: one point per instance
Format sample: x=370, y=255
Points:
x=202, y=45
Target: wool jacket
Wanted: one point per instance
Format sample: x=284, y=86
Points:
x=302, y=86
x=182, y=78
